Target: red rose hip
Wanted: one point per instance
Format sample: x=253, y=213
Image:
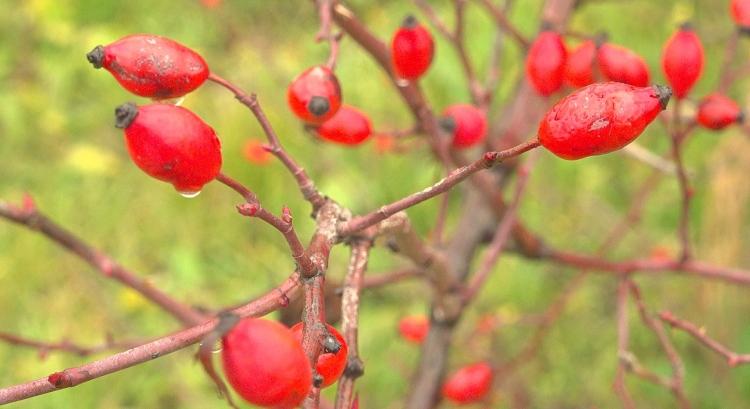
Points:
x=171, y=144
x=330, y=364
x=469, y=384
x=579, y=66
x=315, y=95
x=151, y=66
x=600, y=118
x=545, y=63
x=414, y=328
x=412, y=49
x=620, y=64
x=467, y=124
x=265, y=364
x=349, y=126
x=740, y=10
x=717, y=112
x=682, y=60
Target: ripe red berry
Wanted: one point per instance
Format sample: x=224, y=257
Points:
x=151, y=66
x=255, y=153
x=600, y=118
x=467, y=124
x=740, y=10
x=349, y=126
x=414, y=328
x=412, y=49
x=717, y=112
x=682, y=60
x=172, y=144
x=315, y=95
x=469, y=384
x=330, y=364
x=579, y=66
x=265, y=364
x=620, y=64
x=545, y=62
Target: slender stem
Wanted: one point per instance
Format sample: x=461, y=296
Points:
x=65, y=345
x=504, y=23
x=623, y=336
x=35, y=220
x=487, y=161
x=678, y=137
x=699, y=333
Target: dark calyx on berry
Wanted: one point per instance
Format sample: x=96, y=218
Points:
x=664, y=93
x=741, y=117
x=318, y=106
x=409, y=22
x=331, y=344
x=447, y=124
x=96, y=56
x=125, y=114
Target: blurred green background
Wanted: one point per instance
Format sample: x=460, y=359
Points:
x=57, y=142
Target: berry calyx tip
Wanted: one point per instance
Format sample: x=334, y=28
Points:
x=409, y=21
x=447, y=124
x=318, y=106
x=125, y=114
x=96, y=56
x=664, y=94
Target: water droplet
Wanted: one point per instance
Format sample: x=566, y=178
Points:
x=402, y=82
x=217, y=349
x=170, y=101
x=189, y=194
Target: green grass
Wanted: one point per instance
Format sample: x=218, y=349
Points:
x=58, y=143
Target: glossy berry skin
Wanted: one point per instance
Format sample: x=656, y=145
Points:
x=349, y=126
x=682, y=60
x=414, y=328
x=600, y=118
x=467, y=124
x=579, y=66
x=315, y=95
x=469, y=384
x=412, y=49
x=717, y=112
x=740, y=10
x=545, y=62
x=620, y=64
x=151, y=66
x=265, y=364
x=330, y=365
x=172, y=144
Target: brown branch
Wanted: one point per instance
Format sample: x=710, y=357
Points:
x=623, y=336
x=306, y=185
x=730, y=52
x=699, y=333
x=66, y=345
x=75, y=376
x=487, y=160
x=678, y=137
x=35, y=220
x=253, y=208
x=383, y=279
x=502, y=21
x=350, y=322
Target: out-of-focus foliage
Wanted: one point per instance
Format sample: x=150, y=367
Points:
x=58, y=143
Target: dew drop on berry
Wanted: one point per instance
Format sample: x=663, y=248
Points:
x=189, y=194
x=401, y=82
x=170, y=101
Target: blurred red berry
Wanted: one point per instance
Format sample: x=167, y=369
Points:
x=717, y=112
x=412, y=49
x=740, y=10
x=151, y=66
x=255, y=153
x=620, y=64
x=315, y=95
x=600, y=118
x=579, y=66
x=330, y=364
x=466, y=123
x=469, y=384
x=545, y=62
x=682, y=60
x=414, y=328
x=349, y=126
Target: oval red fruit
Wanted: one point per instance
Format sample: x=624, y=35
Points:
x=412, y=49
x=620, y=64
x=265, y=364
x=172, y=144
x=740, y=10
x=600, y=118
x=414, y=328
x=469, y=384
x=717, y=112
x=545, y=63
x=682, y=60
x=467, y=124
x=579, y=66
x=330, y=364
x=349, y=126
x=151, y=66
x=315, y=95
